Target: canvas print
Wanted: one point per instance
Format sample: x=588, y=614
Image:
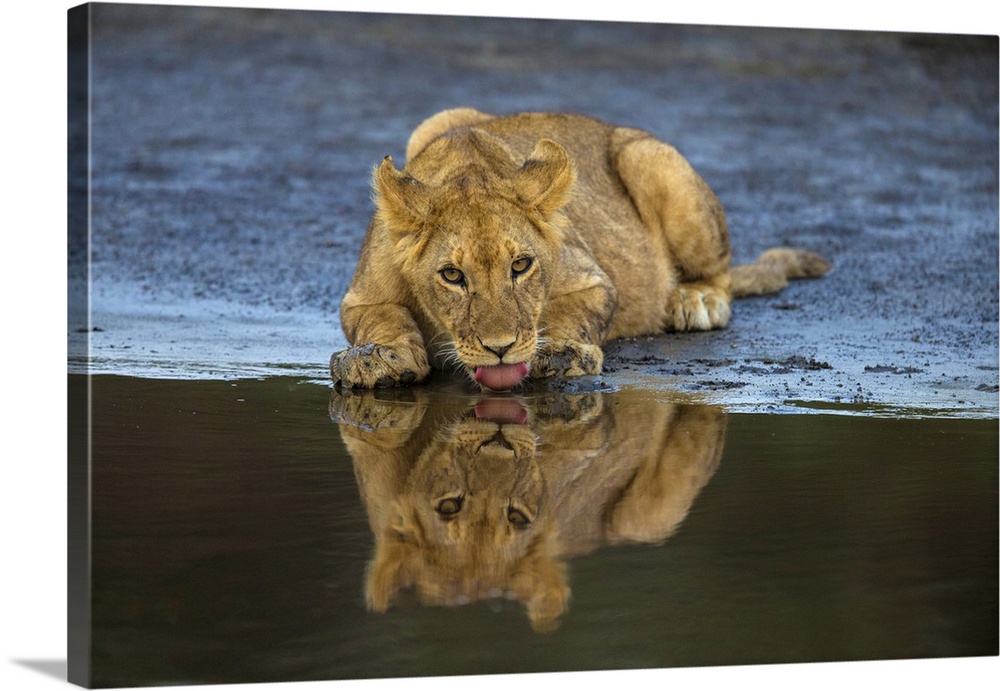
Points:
x=415, y=346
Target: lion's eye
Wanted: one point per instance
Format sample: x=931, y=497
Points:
x=453, y=276
x=449, y=506
x=520, y=266
x=517, y=518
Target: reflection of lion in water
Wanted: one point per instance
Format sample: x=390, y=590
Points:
x=474, y=504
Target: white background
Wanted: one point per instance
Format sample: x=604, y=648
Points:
x=33, y=319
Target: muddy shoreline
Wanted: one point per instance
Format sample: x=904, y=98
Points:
x=232, y=150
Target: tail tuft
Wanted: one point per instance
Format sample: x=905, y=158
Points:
x=772, y=270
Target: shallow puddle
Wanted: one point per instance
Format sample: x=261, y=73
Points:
x=273, y=530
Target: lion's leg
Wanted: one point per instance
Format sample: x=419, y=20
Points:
x=572, y=330
x=575, y=320
x=388, y=347
x=686, y=219
x=684, y=454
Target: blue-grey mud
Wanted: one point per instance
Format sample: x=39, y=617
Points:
x=274, y=530
x=818, y=481
x=230, y=154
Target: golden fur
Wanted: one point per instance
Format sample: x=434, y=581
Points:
x=520, y=244
x=468, y=507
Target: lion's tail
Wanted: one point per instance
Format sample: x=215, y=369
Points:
x=772, y=270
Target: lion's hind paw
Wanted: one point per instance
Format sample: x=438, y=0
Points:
x=697, y=307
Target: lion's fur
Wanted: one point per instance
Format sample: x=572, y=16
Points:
x=577, y=468
x=622, y=235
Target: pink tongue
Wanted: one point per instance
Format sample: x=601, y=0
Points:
x=501, y=377
x=501, y=410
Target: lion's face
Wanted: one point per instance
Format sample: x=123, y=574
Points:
x=477, y=247
x=471, y=524
x=475, y=498
x=485, y=280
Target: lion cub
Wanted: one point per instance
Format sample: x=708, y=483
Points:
x=515, y=246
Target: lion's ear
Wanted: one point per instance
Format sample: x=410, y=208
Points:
x=546, y=178
x=389, y=572
x=397, y=554
x=542, y=584
x=402, y=201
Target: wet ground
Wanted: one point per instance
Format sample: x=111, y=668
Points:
x=231, y=153
x=240, y=528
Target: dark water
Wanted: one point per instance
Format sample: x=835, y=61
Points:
x=244, y=531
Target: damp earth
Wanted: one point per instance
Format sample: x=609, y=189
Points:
x=232, y=151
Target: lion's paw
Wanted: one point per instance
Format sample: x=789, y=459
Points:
x=367, y=410
x=373, y=366
x=567, y=359
x=694, y=307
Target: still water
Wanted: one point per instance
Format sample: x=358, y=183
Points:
x=276, y=530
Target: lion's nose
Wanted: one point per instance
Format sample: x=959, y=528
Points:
x=497, y=348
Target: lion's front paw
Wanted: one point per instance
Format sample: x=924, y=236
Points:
x=567, y=359
x=697, y=307
x=366, y=409
x=377, y=366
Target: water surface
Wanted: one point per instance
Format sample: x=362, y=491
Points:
x=273, y=530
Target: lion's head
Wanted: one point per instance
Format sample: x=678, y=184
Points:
x=476, y=234
x=471, y=524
